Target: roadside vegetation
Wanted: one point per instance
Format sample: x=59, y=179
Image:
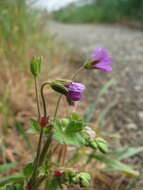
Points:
x=103, y=11
x=24, y=34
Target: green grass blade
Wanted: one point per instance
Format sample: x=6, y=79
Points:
x=116, y=165
x=6, y=167
x=22, y=131
x=129, y=152
x=11, y=179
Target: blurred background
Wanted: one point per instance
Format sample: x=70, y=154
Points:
x=66, y=32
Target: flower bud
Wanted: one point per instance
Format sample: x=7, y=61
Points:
x=102, y=145
x=58, y=173
x=65, y=121
x=28, y=187
x=92, y=144
x=60, y=86
x=83, y=179
x=72, y=90
x=35, y=65
x=69, y=174
x=89, y=132
x=44, y=121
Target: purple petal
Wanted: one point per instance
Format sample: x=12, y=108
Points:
x=100, y=53
x=108, y=60
x=104, y=67
x=76, y=87
x=75, y=96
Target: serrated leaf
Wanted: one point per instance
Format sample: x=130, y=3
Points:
x=35, y=124
x=64, y=136
x=14, y=187
x=54, y=185
x=74, y=126
x=27, y=171
x=75, y=116
x=35, y=128
x=6, y=167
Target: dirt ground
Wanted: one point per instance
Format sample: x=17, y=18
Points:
x=126, y=47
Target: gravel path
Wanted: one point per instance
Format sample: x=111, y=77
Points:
x=126, y=46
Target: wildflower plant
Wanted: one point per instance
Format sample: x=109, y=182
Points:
x=49, y=169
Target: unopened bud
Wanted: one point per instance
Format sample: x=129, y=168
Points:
x=28, y=187
x=102, y=145
x=44, y=122
x=89, y=132
x=60, y=86
x=83, y=179
x=58, y=173
x=65, y=121
x=35, y=65
x=91, y=143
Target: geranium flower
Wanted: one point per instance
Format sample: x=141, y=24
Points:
x=75, y=91
x=102, y=60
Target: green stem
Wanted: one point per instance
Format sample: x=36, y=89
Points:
x=45, y=148
x=47, y=143
x=36, y=162
x=37, y=97
x=77, y=72
x=43, y=99
x=57, y=106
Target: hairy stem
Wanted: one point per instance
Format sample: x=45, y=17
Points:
x=57, y=106
x=43, y=98
x=45, y=149
x=36, y=161
x=37, y=97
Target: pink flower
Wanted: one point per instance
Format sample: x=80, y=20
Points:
x=101, y=59
x=75, y=91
